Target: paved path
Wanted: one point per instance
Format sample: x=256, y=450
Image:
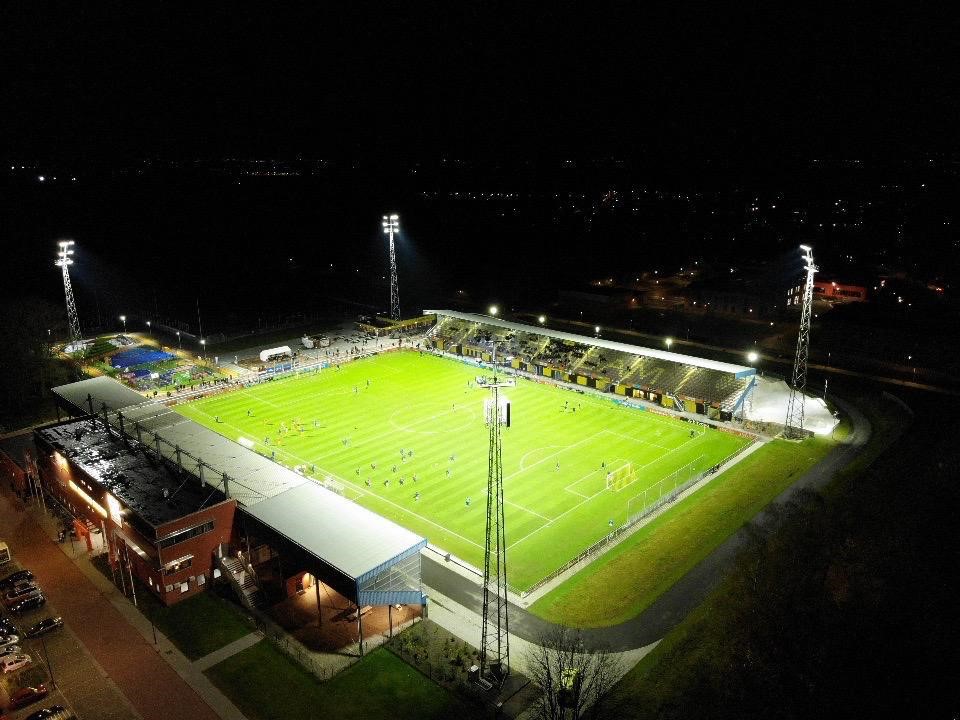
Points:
x=670, y=608
x=229, y=650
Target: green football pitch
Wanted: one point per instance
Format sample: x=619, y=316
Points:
x=404, y=435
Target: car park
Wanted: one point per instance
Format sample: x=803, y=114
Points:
x=45, y=626
x=29, y=604
x=14, y=662
x=27, y=696
x=13, y=578
x=54, y=712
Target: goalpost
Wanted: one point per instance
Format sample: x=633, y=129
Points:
x=666, y=490
x=618, y=479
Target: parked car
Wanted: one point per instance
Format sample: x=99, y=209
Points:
x=7, y=627
x=7, y=640
x=14, y=662
x=10, y=650
x=20, y=592
x=29, y=604
x=13, y=578
x=27, y=696
x=54, y=712
x=45, y=626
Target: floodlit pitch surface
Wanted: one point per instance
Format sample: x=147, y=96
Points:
x=351, y=424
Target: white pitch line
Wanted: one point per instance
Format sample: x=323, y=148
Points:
x=525, y=509
x=350, y=484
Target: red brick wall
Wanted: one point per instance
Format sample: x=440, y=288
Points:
x=202, y=547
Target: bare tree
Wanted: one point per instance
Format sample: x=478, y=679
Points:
x=573, y=679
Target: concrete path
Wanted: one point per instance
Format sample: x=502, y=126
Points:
x=670, y=608
x=218, y=656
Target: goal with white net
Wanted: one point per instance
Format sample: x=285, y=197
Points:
x=621, y=477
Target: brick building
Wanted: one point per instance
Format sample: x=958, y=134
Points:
x=159, y=523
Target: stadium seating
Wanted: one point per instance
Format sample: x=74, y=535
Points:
x=663, y=376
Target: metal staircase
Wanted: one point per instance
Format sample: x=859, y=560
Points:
x=243, y=580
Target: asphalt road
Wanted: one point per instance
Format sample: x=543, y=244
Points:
x=671, y=607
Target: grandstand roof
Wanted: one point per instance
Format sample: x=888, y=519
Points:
x=738, y=371
x=347, y=536
x=339, y=532
x=103, y=390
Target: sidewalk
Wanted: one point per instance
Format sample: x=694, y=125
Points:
x=146, y=673
x=467, y=625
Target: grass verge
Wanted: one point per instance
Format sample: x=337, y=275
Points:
x=197, y=626
x=381, y=685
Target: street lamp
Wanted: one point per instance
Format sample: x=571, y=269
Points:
x=752, y=357
x=148, y=327
x=494, y=310
x=203, y=345
x=179, y=344
x=123, y=319
x=669, y=342
x=596, y=330
x=542, y=319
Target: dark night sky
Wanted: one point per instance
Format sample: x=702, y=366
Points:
x=406, y=79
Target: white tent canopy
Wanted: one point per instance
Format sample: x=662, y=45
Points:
x=768, y=403
x=265, y=355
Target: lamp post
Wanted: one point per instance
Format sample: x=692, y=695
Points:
x=148, y=327
x=123, y=319
x=752, y=357
x=203, y=348
x=494, y=310
x=179, y=344
x=669, y=342
x=542, y=319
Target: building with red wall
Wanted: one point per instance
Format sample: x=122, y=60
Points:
x=160, y=523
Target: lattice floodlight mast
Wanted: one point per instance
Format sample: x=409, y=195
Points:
x=495, y=634
x=793, y=427
x=64, y=261
x=391, y=225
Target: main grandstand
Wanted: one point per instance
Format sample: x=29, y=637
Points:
x=717, y=390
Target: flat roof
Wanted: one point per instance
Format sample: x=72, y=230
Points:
x=102, y=389
x=129, y=474
x=346, y=535
x=738, y=371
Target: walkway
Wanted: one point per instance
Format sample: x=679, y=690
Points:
x=229, y=650
x=670, y=608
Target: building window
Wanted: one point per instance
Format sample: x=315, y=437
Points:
x=177, y=565
x=184, y=587
x=201, y=579
x=182, y=535
x=169, y=588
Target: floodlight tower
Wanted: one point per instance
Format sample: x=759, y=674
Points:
x=495, y=634
x=793, y=428
x=64, y=261
x=391, y=225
